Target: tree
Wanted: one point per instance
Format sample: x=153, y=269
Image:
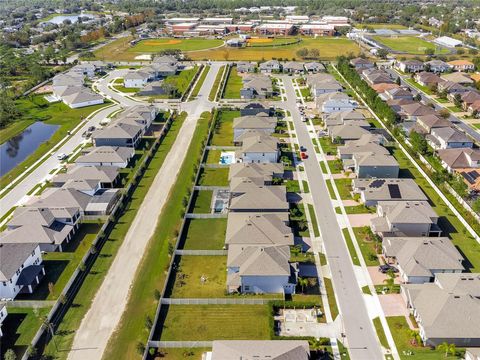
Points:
x=415, y=338
x=302, y=282
x=447, y=348
x=10, y=355
x=302, y=53
x=140, y=348
x=418, y=142
x=429, y=51
x=382, y=53
x=444, y=113
x=314, y=53
x=476, y=206
x=390, y=280
x=457, y=100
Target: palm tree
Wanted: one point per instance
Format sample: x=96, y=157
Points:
x=415, y=337
x=448, y=348
x=390, y=280
x=302, y=282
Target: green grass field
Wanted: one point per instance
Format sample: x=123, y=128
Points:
x=200, y=277
x=216, y=322
x=201, y=202
x=367, y=246
x=213, y=177
x=234, y=84
x=409, y=44
x=205, y=234
x=380, y=332
x=329, y=47
x=200, y=81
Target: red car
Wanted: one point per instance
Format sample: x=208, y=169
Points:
x=303, y=155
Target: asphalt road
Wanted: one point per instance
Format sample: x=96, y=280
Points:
x=457, y=122
x=362, y=340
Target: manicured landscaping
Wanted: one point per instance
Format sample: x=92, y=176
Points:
x=216, y=83
x=380, y=332
x=233, y=85
x=36, y=108
x=292, y=186
x=351, y=247
x=328, y=146
x=213, y=156
x=368, y=245
x=213, y=177
x=205, y=234
x=358, y=209
x=200, y=82
x=20, y=327
x=323, y=167
x=82, y=300
x=331, y=192
x=332, y=301
x=215, y=322
x=223, y=132
x=199, y=277
x=181, y=353
x=313, y=218
x=335, y=166
x=118, y=85
x=180, y=81
x=202, y=199
x=409, y=44
x=344, y=187
x=400, y=332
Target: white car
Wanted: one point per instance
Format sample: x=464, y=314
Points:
x=62, y=156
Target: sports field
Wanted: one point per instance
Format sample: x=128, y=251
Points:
x=329, y=47
x=409, y=44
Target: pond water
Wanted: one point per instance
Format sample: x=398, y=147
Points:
x=18, y=148
x=59, y=19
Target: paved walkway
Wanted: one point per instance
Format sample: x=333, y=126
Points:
x=111, y=299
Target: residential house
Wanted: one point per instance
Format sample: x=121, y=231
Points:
x=337, y=101
x=437, y=66
x=249, y=197
x=447, y=310
x=293, y=67
x=374, y=76
x=270, y=66
x=448, y=138
x=84, y=69
x=106, y=156
x=153, y=88
x=345, y=133
x=256, y=109
x=78, y=97
x=260, y=270
x=468, y=98
x=361, y=64
x=245, y=67
x=398, y=93
x=405, y=218
x=375, y=165
x=106, y=176
x=258, y=229
x=396, y=105
x=313, y=67
x=257, y=147
x=410, y=66
x=121, y=134
x=459, y=78
x=260, y=349
x=140, y=115
x=268, y=172
x=418, y=259
x=256, y=86
x=459, y=158
x=366, y=143
x=136, y=79
x=427, y=79
x=474, y=109
x=373, y=191
x=411, y=112
x=383, y=87
x=426, y=123
x=322, y=83
x=451, y=87
x=347, y=117
x=263, y=124
x=21, y=269
x=462, y=65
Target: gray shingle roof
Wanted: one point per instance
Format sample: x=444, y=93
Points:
x=12, y=256
x=260, y=350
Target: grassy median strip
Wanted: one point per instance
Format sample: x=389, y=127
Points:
x=151, y=274
x=83, y=299
x=313, y=217
x=216, y=84
x=199, y=83
x=380, y=332
x=332, y=301
x=351, y=248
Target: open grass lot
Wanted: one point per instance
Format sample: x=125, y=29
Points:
x=152, y=271
x=329, y=47
x=200, y=277
x=234, y=84
x=122, y=50
x=382, y=26
x=216, y=322
x=213, y=177
x=449, y=223
x=201, y=202
x=205, y=234
x=409, y=44
x=82, y=300
x=19, y=328
x=367, y=246
x=59, y=266
x=399, y=329
x=36, y=108
x=223, y=133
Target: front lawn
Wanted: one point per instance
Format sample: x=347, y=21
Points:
x=205, y=234
x=344, y=187
x=215, y=322
x=368, y=245
x=335, y=166
x=223, y=133
x=213, y=177
x=328, y=146
x=234, y=84
x=199, y=277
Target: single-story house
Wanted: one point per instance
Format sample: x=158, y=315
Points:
x=106, y=156
x=347, y=117
x=293, y=67
x=270, y=66
x=336, y=101
x=398, y=93
x=346, y=132
x=314, y=67
x=373, y=165
x=361, y=64
x=432, y=121
x=119, y=133
x=459, y=78
x=245, y=67
x=136, y=79
x=261, y=349
x=265, y=171
x=256, y=86
x=107, y=176
x=256, y=109
x=263, y=124
x=366, y=143
x=411, y=112
x=254, y=198
x=257, y=148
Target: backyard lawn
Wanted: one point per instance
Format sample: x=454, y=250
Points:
x=234, y=84
x=223, y=134
x=216, y=322
x=213, y=156
x=20, y=327
x=409, y=44
x=182, y=353
x=200, y=277
x=213, y=177
x=205, y=234
x=202, y=199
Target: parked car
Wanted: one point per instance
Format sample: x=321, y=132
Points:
x=303, y=148
x=386, y=268
x=62, y=156
x=91, y=128
x=304, y=155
